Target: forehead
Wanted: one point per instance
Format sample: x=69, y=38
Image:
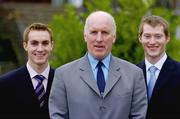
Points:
x=153, y=29
x=96, y=21
x=39, y=35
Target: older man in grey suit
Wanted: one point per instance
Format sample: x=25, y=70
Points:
x=98, y=85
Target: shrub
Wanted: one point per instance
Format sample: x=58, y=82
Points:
x=68, y=29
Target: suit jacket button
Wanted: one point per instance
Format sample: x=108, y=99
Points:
x=102, y=108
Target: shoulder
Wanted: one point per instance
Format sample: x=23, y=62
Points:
x=125, y=65
x=71, y=65
x=13, y=73
x=172, y=63
x=52, y=70
x=141, y=64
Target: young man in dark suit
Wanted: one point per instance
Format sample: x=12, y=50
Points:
x=163, y=84
x=25, y=91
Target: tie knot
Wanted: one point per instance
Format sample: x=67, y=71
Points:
x=152, y=69
x=99, y=64
x=39, y=78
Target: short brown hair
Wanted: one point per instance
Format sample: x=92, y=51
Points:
x=36, y=27
x=154, y=21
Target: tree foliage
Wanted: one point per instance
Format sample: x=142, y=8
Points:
x=68, y=29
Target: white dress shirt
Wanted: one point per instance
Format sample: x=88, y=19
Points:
x=158, y=65
x=33, y=73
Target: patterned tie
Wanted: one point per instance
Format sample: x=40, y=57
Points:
x=100, y=77
x=40, y=91
x=152, y=80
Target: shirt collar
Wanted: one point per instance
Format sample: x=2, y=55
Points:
x=158, y=65
x=93, y=61
x=33, y=73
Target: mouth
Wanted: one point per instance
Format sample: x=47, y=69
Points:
x=99, y=47
x=40, y=55
x=152, y=47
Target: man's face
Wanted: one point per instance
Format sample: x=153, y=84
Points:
x=99, y=36
x=153, y=41
x=38, y=47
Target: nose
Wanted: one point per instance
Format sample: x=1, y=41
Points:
x=152, y=40
x=40, y=47
x=99, y=37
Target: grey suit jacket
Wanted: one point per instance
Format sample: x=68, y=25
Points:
x=75, y=95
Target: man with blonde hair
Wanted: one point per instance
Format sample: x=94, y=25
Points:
x=161, y=72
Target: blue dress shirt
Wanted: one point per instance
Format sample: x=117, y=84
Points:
x=93, y=62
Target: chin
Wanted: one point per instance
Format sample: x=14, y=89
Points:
x=40, y=62
x=99, y=57
x=153, y=55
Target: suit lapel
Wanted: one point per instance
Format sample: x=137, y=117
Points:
x=25, y=86
x=114, y=75
x=164, y=74
x=143, y=67
x=50, y=79
x=86, y=74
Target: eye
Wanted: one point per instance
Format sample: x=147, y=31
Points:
x=34, y=43
x=147, y=36
x=45, y=43
x=105, y=32
x=158, y=36
x=93, y=32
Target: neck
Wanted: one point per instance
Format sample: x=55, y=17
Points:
x=155, y=59
x=39, y=68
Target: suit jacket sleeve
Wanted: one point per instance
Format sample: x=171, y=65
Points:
x=57, y=100
x=139, y=100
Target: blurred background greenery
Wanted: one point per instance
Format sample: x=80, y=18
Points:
x=68, y=29
x=67, y=22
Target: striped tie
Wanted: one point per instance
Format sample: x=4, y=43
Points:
x=40, y=91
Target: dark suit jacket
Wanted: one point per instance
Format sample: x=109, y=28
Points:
x=165, y=100
x=18, y=99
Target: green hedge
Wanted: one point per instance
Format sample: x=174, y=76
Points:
x=68, y=29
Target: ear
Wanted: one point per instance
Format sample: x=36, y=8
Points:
x=85, y=37
x=114, y=38
x=52, y=45
x=167, y=39
x=140, y=40
x=25, y=46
